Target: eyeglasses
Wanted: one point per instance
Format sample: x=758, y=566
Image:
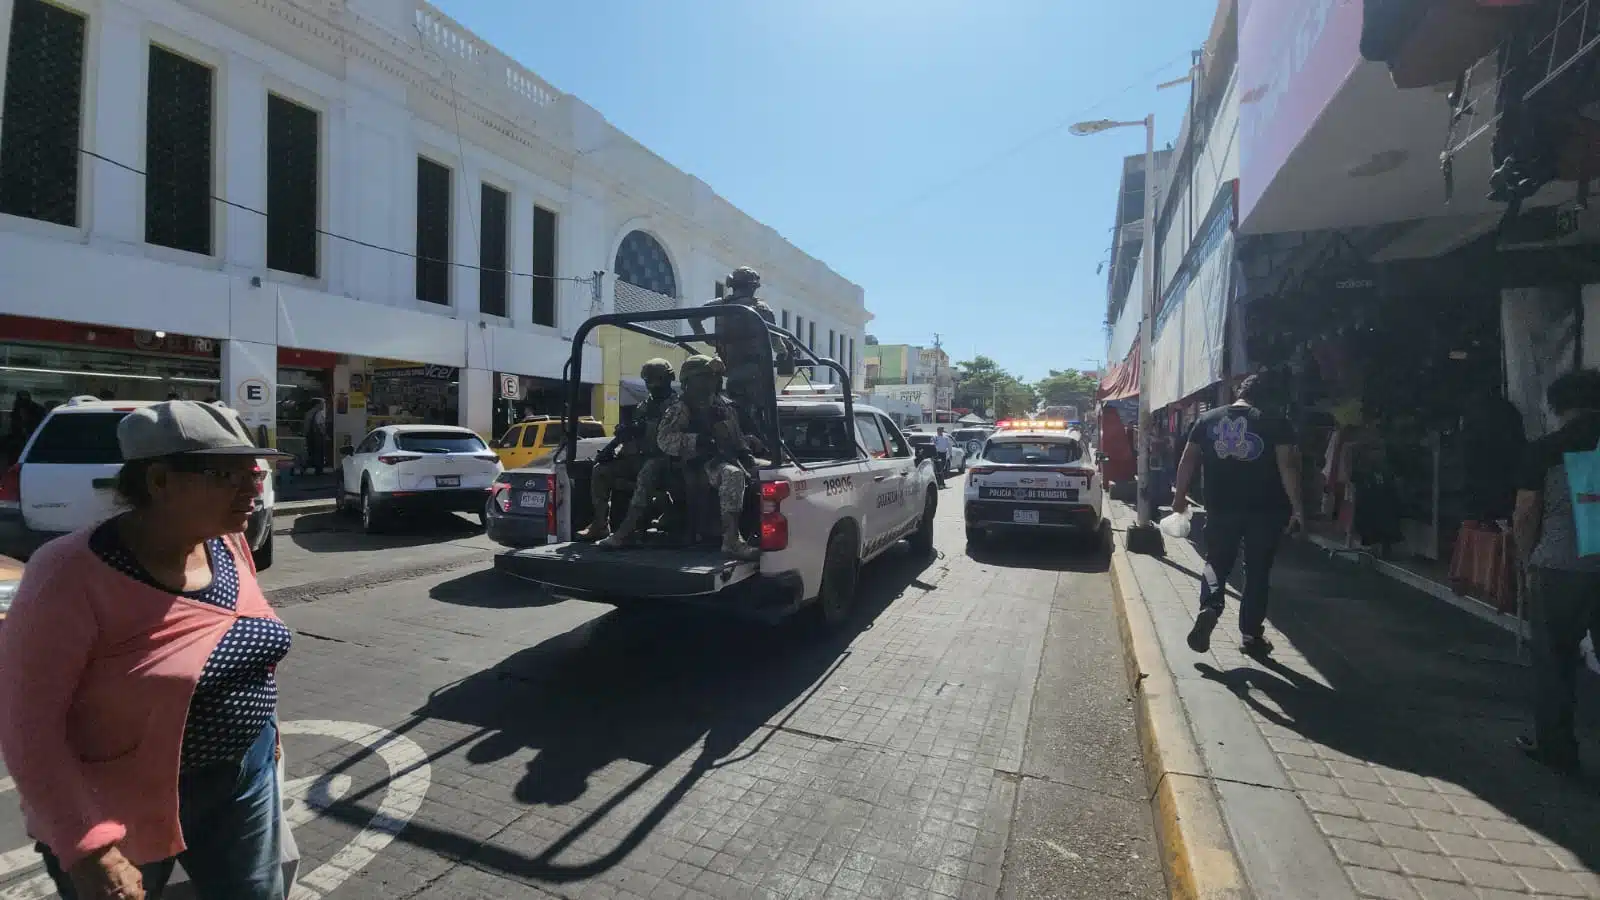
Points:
x=238, y=479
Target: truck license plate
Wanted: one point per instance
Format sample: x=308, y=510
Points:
x=532, y=499
x=1025, y=516
x=447, y=481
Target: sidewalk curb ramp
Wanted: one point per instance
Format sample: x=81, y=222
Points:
x=1196, y=852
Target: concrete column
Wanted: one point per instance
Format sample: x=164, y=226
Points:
x=465, y=200
x=244, y=147
x=521, y=306
x=475, y=402
x=116, y=194
x=250, y=386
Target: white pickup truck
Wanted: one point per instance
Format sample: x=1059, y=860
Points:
x=844, y=487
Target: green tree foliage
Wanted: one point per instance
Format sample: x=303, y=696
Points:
x=1068, y=387
x=984, y=385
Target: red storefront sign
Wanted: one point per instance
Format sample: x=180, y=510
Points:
x=294, y=358
x=104, y=337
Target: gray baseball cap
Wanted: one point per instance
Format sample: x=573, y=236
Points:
x=186, y=427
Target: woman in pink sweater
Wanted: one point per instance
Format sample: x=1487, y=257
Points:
x=138, y=708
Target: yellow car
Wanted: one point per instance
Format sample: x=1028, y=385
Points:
x=534, y=440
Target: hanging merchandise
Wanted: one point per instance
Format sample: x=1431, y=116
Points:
x=1583, y=482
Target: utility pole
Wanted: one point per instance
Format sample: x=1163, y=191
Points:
x=938, y=357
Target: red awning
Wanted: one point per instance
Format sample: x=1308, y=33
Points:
x=1121, y=380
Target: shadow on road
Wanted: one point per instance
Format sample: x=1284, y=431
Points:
x=1416, y=687
x=492, y=589
x=1046, y=551
x=644, y=687
x=333, y=532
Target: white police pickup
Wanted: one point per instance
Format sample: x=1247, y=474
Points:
x=842, y=494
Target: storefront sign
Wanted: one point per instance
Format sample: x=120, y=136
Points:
x=1294, y=56
x=358, y=399
x=104, y=337
x=435, y=373
x=254, y=393
x=510, y=387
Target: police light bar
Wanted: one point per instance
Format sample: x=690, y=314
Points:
x=1033, y=425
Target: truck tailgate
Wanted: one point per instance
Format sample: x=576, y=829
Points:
x=583, y=569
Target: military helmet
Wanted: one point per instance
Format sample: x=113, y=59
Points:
x=744, y=276
x=656, y=368
x=700, y=365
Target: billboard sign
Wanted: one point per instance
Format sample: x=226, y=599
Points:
x=1294, y=56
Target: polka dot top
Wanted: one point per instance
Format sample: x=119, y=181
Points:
x=237, y=695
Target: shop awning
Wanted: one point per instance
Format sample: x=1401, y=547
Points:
x=1121, y=381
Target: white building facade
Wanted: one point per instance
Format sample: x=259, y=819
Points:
x=271, y=201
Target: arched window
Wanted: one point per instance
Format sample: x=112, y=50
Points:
x=643, y=262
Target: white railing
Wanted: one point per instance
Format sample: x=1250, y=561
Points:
x=465, y=51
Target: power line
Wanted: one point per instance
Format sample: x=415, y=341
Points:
x=341, y=237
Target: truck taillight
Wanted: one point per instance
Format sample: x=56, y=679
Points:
x=550, y=504
x=774, y=525
x=981, y=470
x=11, y=486
x=1086, y=474
x=500, y=493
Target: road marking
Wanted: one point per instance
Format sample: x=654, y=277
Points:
x=407, y=783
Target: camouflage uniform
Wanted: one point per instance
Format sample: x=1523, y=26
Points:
x=712, y=445
x=743, y=347
x=639, y=458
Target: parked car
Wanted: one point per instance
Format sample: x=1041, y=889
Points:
x=1034, y=478
x=971, y=439
x=518, y=512
x=958, y=454
x=534, y=440
x=10, y=578
x=66, y=478
x=399, y=469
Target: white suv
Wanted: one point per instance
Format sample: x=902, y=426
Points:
x=417, y=468
x=1034, y=478
x=66, y=478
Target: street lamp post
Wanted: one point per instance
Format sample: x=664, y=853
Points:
x=1144, y=534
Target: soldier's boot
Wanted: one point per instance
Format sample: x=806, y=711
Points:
x=600, y=528
x=733, y=543
x=623, y=536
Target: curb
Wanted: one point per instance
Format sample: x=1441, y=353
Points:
x=1196, y=851
x=303, y=507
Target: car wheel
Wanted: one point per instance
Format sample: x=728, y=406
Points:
x=922, y=538
x=262, y=555
x=371, y=518
x=840, y=572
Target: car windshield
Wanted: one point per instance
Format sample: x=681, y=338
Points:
x=591, y=430
x=1026, y=452
x=818, y=438
x=971, y=434
x=439, y=442
x=78, y=439
x=918, y=437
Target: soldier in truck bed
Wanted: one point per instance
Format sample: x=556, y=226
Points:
x=702, y=429
x=633, y=453
x=744, y=349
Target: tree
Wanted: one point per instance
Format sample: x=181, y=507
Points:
x=982, y=385
x=1068, y=388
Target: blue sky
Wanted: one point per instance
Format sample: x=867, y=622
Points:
x=905, y=143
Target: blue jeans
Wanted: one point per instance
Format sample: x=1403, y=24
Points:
x=231, y=822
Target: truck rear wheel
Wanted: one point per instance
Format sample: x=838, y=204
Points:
x=922, y=538
x=840, y=573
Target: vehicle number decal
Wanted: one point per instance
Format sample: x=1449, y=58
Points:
x=836, y=486
x=888, y=499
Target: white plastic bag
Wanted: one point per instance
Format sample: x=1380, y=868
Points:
x=1176, y=525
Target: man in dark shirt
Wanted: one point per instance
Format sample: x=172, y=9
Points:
x=1252, y=472
x=1563, y=587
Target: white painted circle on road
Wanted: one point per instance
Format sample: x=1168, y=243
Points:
x=405, y=787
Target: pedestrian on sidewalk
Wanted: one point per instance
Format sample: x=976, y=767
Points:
x=1563, y=587
x=1252, y=478
x=942, y=445
x=138, y=706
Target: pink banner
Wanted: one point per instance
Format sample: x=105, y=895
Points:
x=1294, y=55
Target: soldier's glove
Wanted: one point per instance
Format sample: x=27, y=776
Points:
x=607, y=454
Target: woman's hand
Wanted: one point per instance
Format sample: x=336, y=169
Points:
x=107, y=875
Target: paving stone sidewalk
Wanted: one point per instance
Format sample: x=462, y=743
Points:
x=1391, y=717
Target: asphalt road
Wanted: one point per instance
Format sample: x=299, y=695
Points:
x=450, y=733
